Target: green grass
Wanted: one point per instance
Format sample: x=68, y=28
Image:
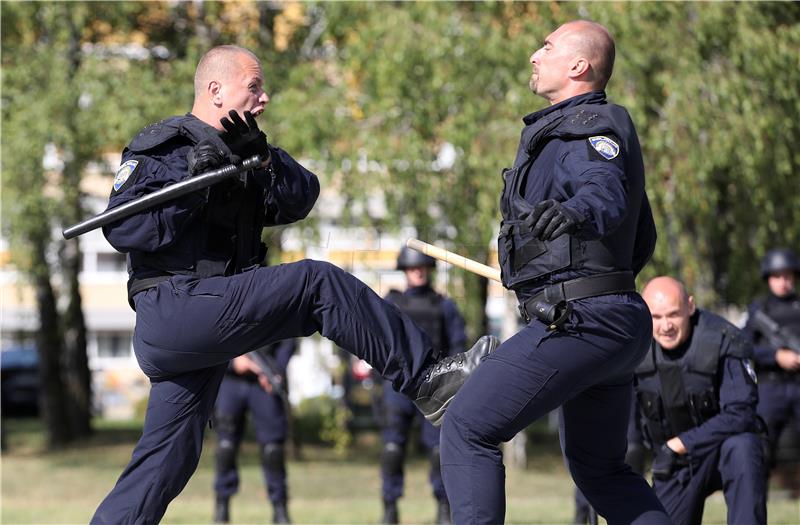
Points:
x=65, y=487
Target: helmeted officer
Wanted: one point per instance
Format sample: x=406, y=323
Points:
x=773, y=324
x=696, y=397
x=247, y=387
x=576, y=229
x=438, y=316
x=202, y=297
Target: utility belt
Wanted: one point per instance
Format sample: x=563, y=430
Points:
x=777, y=376
x=145, y=283
x=551, y=305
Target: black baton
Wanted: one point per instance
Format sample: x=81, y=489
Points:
x=168, y=193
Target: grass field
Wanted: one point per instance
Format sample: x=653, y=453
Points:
x=65, y=487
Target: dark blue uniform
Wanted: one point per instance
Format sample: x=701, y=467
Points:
x=238, y=394
x=704, y=393
x=585, y=154
x=439, y=317
x=201, y=299
x=778, y=389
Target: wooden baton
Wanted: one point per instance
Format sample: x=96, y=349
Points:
x=454, y=259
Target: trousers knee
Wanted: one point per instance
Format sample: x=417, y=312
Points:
x=738, y=448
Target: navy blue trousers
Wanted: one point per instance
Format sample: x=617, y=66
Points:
x=587, y=370
x=400, y=414
x=237, y=397
x=187, y=330
x=736, y=468
x=779, y=405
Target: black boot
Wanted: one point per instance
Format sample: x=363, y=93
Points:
x=443, y=513
x=445, y=378
x=221, y=514
x=390, y=515
x=280, y=513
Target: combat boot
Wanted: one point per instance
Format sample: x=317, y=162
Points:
x=221, y=512
x=280, y=513
x=445, y=378
x=443, y=513
x=390, y=514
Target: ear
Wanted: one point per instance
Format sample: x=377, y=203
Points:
x=215, y=93
x=580, y=66
x=692, y=306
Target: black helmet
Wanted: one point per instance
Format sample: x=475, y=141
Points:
x=409, y=258
x=779, y=260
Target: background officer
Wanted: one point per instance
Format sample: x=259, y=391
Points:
x=438, y=316
x=247, y=387
x=696, y=397
x=773, y=324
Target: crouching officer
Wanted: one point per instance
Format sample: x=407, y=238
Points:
x=696, y=396
x=248, y=387
x=773, y=324
x=439, y=318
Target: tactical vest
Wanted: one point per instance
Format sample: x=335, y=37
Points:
x=523, y=258
x=426, y=311
x=785, y=312
x=225, y=237
x=676, y=395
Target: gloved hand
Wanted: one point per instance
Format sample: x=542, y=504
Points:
x=244, y=138
x=665, y=463
x=550, y=219
x=203, y=157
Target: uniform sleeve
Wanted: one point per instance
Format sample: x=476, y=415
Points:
x=738, y=397
x=284, y=351
x=597, y=184
x=294, y=190
x=763, y=352
x=156, y=227
x=454, y=327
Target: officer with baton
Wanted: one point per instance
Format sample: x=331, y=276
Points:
x=202, y=297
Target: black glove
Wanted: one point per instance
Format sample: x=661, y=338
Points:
x=203, y=157
x=244, y=138
x=550, y=218
x=665, y=463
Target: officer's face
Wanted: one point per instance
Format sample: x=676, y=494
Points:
x=781, y=283
x=244, y=90
x=417, y=276
x=551, y=64
x=672, y=313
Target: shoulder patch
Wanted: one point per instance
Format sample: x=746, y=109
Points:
x=750, y=370
x=123, y=174
x=604, y=146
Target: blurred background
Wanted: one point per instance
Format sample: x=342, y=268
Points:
x=407, y=112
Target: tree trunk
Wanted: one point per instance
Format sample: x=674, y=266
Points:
x=48, y=344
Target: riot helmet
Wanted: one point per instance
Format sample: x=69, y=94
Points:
x=778, y=260
x=410, y=258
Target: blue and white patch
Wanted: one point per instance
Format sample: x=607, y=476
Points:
x=124, y=172
x=751, y=371
x=605, y=146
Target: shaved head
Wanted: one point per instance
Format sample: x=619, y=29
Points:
x=672, y=309
x=593, y=41
x=220, y=64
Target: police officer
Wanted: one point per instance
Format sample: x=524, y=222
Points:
x=777, y=364
x=439, y=317
x=696, y=396
x=202, y=297
x=248, y=387
x=576, y=229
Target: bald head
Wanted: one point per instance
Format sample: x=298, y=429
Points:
x=672, y=309
x=593, y=41
x=219, y=64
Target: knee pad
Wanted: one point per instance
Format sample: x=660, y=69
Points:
x=273, y=457
x=392, y=457
x=436, y=459
x=226, y=455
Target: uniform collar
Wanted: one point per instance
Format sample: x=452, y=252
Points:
x=592, y=97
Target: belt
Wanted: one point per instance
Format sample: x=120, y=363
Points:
x=572, y=290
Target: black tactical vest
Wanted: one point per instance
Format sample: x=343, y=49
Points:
x=225, y=237
x=676, y=395
x=524, y=259
x=425, y=309
x=785, y=312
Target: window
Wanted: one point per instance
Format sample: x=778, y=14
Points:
x=113, y=345
x=111, y=262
